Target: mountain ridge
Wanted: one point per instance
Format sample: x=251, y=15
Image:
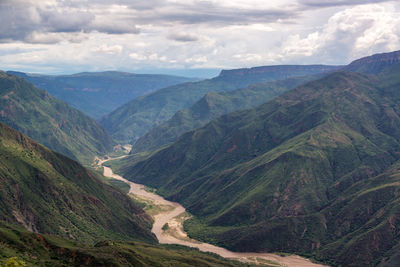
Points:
x=292, y=174
x=225, y=102
x=211, y=106
x=132, y=120
x=51, y=121
x=375, y=63
x=98, y=93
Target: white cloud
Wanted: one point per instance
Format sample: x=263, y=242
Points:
x=137, y=57
x=349, y=34
x=108, y=49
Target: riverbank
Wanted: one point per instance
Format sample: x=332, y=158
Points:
x=175, y=234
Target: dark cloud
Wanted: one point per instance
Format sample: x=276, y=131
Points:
x=16, y=23
x=232, y=17
x=25, y=21
x=30, y=21
x=182, y=37
x=65, y=21
x=333, y=3
x=204, y=12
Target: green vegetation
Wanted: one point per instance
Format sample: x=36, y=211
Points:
x=98, y=93
x=14, y=262
x=374, y=64
x=120, y=185
x=313, y=172
x=119, y=164
x=48, y=250
x=211, y=106
x=50, y=121
x=47, y=192
x=124, y=187
x=131, y=121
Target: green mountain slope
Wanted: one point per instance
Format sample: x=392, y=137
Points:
x=47, y=250
x=50, y=121
x=211, y=106
x=375, y=63
x=46, y=192
x=313, y=171
x=98, y=93
x=131, y=121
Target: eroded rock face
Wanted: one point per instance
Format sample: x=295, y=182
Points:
x=281, y=70
x=374, y=63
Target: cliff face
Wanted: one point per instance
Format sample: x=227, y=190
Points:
x=375, y=63
x=280, y=70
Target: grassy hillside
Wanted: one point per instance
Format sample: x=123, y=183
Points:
x=48, y=250
x=313, y=171
x=98, y=93
x=131, y=121
x=211, y=106
x=50, y=121
x=46, y=192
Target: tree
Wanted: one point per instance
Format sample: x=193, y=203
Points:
x=15, y=262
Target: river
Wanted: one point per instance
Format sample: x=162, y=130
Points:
x=176, y=235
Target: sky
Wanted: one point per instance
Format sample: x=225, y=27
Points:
x=190, y=37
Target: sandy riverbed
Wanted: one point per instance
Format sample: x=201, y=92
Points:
x=176, y=235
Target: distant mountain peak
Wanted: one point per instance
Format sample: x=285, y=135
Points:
x=276, y=69
x=375, y=63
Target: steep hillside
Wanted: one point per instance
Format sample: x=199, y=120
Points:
x=314, y=171
x=98, y=93
x=47, y=250
x=211, y=106
x=375, y=63
x=131, y=121
x=46, y=192
x=50, y=121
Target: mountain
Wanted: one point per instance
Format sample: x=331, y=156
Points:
x=211, y=106
x=131, y=121
x=98, y=93
x=314, y=171
x=46, y=192
x=48, y=250
x=375, y=63
x=50, y=121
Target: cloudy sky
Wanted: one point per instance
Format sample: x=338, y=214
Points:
x=66, y=36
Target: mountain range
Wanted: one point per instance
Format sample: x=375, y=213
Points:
x=211, y=106
x=308, y=163
x=98, y=93
x=314, y=171
x=50, y=121
x=129, y=122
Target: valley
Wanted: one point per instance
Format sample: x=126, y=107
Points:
x=176, y=235
x=257, y=166
x=204, y=133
